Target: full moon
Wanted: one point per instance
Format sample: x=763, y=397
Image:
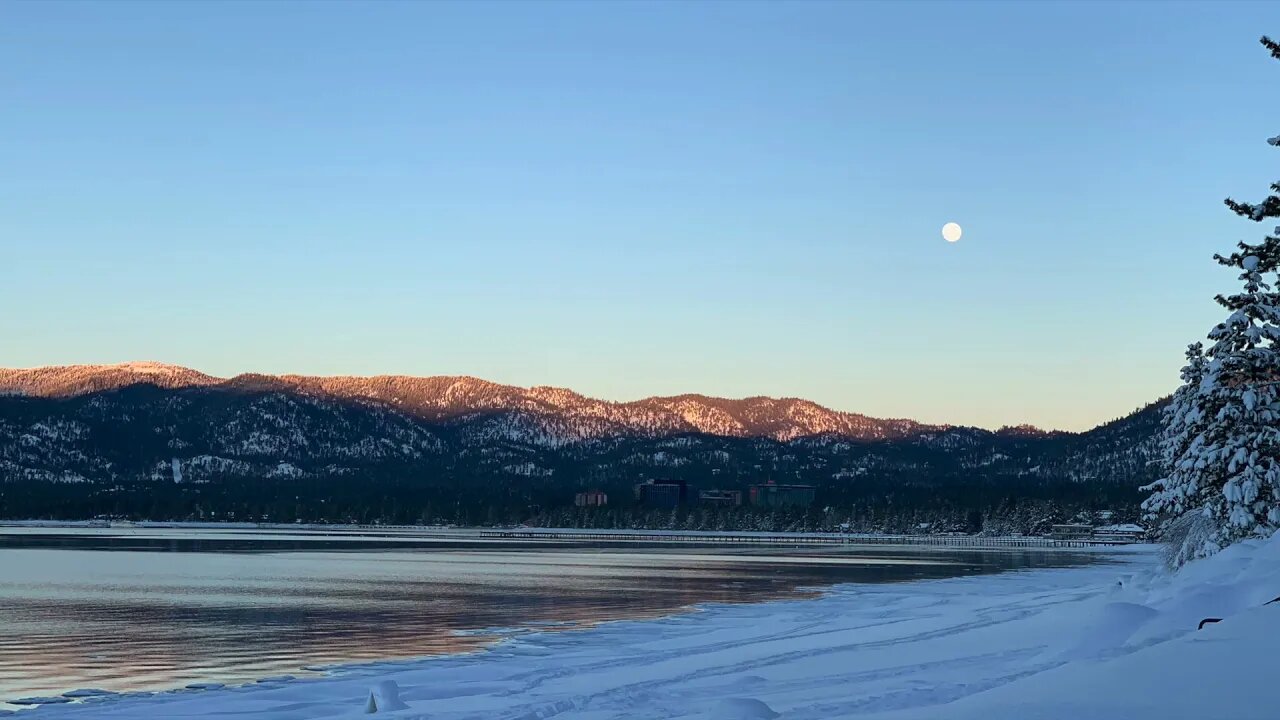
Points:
x=951, y=232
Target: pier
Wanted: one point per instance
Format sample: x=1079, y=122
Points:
x=959, y=541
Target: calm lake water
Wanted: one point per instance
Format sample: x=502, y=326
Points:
x=142, y=609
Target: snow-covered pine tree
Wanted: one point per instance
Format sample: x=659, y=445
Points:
x=1178, y=499
x=1221, y=445
x=1179, y=490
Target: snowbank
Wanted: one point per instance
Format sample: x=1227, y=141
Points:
x=1148, y=660
x=1103, y=641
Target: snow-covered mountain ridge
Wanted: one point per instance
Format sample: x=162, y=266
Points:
x=160, y=441
x=71, y=380
x=561, y=414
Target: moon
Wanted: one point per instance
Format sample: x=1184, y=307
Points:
x=951, y=232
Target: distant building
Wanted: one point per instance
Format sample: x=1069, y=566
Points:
x=1071, y=532
x=664, y=494
x=723, y=498
x=591, y=498
x=1127, y=533
x=774, y=495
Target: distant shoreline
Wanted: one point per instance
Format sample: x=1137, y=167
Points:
x=576, y=534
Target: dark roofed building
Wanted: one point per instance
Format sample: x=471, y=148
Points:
x=662, y=493
x=771, y=494
x=724, y=498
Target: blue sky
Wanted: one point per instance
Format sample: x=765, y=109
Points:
x=637, y=199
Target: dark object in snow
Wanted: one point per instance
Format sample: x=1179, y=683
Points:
x=39, y=701
x=1207, y=621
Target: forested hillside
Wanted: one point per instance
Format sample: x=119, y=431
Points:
x=150, y=441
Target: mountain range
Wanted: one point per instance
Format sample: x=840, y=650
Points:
x=562, y=415
x=150, y=430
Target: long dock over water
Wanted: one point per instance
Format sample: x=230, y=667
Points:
x=964, y=541
x=703, y=537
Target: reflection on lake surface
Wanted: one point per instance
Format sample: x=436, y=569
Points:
x=139, y=609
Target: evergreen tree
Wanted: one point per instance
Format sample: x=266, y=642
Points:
x=1182, y=489
x=1222, y=443
x=1179, y=490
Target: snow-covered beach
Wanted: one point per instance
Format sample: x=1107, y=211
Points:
x=1115, y=640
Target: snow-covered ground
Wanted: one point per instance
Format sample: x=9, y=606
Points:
x=1115, y=641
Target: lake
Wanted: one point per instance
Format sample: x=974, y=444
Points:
x=150, y=609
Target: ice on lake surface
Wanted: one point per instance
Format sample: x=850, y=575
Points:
x=126, y=610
